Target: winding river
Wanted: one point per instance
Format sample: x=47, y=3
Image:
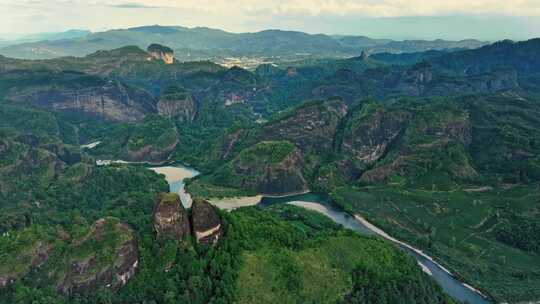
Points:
x=175, y=176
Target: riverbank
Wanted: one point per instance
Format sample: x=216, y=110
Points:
x=385, y=235
x=175, y=174
x=450, y=283
x=229, y=204
x=108, y=162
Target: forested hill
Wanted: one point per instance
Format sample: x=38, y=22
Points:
x=445, y=143
x=200, y=42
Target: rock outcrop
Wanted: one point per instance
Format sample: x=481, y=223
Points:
x=311, y=126
x=370, y=130
x=113, y=260
x=270, y=167
x=32, y=257
x=176, y=103
x=170, y=218
x=152, y=141
x=430, y=139
x=87, y=95
x=207, y=226
x=151, y=153
x=161, y=52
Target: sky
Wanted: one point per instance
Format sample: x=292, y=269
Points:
x=396, y=19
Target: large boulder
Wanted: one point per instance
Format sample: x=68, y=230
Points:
x=207, y=227
x=170, y=218
x=112, y=260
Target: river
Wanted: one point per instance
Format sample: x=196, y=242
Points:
x=175, y=176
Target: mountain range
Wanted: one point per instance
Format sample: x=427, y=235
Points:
x=203, y=43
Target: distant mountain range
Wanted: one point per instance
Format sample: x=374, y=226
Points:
x=204, y=43
x=37, y=37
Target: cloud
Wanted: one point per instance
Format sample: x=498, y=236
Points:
x=366, y=8
x=483, y=19
x=132, y=5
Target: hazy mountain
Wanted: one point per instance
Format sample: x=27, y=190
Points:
x=70, y=34
x=201, y=42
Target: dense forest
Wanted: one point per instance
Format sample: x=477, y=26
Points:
x=439, y=149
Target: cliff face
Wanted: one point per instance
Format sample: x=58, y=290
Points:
x=178, y=104
x=370, y=132
x=152, y=141
x=207, y=226
x=267, y=167
x=151, y=153
x=112, y=262
x=430, y=139
x=85, y=94
x=170, y=218
x=311, y=127
x=161, y=52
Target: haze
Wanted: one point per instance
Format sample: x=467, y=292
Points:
x=396, y=19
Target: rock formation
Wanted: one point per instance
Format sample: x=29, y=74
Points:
x=161, y=52
x=402, y=142
x=365, y=55
x=170, y=218
x=152, y=141
x=88, y=95
x=151, y=153
x=311, y=127
x=34, y=256
x=269, y=167
x=112, y=262
x=370, y=131
x=207, y=226
x=176, y=103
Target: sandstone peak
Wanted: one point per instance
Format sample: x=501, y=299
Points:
x=170, y=218
x=161, y=52
x=206, y=221
x=364, y=55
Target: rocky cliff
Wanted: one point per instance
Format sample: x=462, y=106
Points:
x=311, y=126
x=170, y=218
x=75, y=92
x=161, y=52
x=370, y=130
x=151, y=153
x=270, y=167
x=178, y=104
x=107, y=257
x=417, y=141
x=152, y=141
x=207, y=225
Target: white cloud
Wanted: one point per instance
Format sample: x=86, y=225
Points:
x=372, y=8
x=23, y=16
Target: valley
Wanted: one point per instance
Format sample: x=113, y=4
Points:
x=429, y=159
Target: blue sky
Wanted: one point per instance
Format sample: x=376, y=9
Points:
x=397, y=19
